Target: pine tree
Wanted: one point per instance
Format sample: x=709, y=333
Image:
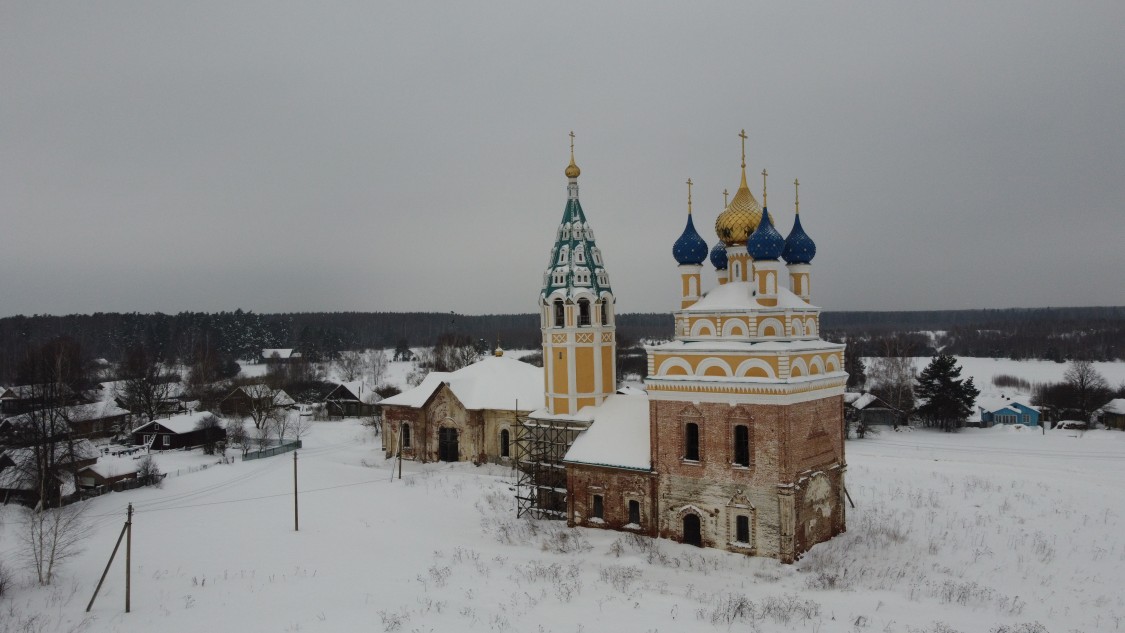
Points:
x=948, y=399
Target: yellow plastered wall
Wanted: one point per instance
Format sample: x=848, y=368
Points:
x=562, y=405
x=607, y=370
x=584, y=369
x=558, y=369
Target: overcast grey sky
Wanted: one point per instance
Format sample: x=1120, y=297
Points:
x=368, y=156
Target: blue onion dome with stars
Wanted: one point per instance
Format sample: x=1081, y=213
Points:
x=765, y=242
x=799, y=247
x=690, y=248
x=719, y=256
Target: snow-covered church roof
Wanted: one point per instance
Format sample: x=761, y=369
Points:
x=618, y=435
x=492, y=383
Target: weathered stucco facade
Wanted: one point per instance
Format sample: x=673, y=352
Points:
x=433, y=422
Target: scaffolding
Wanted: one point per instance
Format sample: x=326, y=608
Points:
x=541, y=445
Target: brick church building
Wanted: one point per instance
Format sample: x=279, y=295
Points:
x=738, y=442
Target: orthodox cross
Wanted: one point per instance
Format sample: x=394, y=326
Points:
x=742, y=135
x=796, y=195
x=764, y=174
x=689, y=196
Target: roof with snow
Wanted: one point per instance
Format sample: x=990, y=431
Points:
x=110, y=467
x=259, y=392
x=1117, y=406
x=280, y=352
x=739, y=296
x=178, y=424
x=998, y=404
x=618, y=435
x=492, y=383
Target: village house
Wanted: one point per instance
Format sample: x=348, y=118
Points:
x=178, y=431
x=868, y=410
x=351, y=400
x=108, y=471
x=1006, y=410
x=1112, y=415
x=247, y=398
x=18, y=471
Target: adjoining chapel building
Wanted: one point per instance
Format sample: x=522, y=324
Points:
x=739, y=442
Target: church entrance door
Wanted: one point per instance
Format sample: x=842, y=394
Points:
x=692, y=533
x=447, y=444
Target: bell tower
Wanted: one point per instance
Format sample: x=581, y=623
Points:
x=576, y=313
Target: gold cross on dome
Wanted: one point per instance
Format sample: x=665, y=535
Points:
x=764, y=174
x=796, y=195
x=725, y=193
x=743, y=136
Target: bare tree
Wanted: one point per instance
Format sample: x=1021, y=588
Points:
x=891, y=376
x=262, y=434
x=149, y=473
x=377, y=360
x=213, y=432
x=350, y=365
x=46, y=451
x=1089, y=387
x=300, y=426
x=50, y=536
x=147, y=387
x=237, y=434
x=265, y=405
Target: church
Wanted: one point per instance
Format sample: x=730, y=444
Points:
x=738, y=442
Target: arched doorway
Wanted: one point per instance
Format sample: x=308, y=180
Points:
x=693, y=535
x=447, y=444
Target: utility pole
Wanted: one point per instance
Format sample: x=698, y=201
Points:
x=128, y=555
x=296, y=528
x=116, y=546
x=400, y=445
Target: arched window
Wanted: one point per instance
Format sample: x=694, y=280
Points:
x=691, y=441
x=599, y=508
x=635, y=512
x=605, y=311
x=742, y=445
x=504, y=443
x=583, y=312
x=579, y=255
x=405, y=435
x=742, y=529
x=560, y=313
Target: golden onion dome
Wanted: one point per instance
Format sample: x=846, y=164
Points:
x=572, y=170
x=735, y=224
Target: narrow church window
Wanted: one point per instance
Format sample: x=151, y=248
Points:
x=583, y=312
x=504, y=443
x=405, y=435
x=691, y=441
x=742, y=445
x=599, y=508
x=635, y=512
x=742, y=529
x=560, y=317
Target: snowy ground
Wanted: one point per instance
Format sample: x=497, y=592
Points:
x=966, y=532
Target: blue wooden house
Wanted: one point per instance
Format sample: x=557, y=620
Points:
x=1004, y=410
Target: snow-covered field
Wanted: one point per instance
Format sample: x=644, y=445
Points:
x=969, y=532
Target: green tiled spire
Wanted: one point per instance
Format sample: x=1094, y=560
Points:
x=576, y=264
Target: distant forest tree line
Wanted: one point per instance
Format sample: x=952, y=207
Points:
x=1047, y=333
